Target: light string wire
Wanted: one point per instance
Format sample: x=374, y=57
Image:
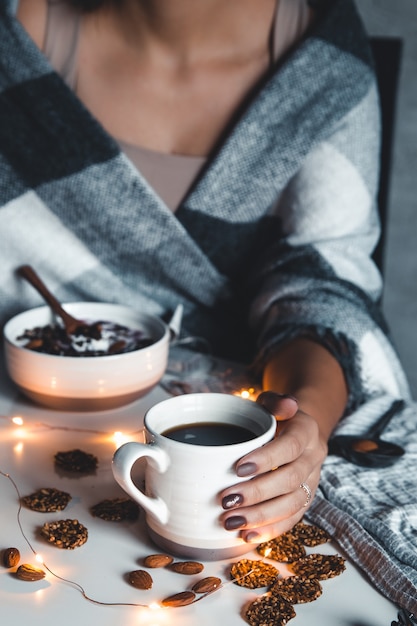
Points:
x=71, y=429
x=54, y=574
x=80, y=587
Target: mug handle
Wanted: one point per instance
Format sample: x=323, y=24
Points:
x=123, y=461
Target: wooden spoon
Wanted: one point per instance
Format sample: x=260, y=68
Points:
x=71, y=323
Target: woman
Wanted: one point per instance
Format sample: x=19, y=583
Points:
x=221, y=154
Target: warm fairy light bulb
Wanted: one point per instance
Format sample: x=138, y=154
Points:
x=20, y=430
x=155, y=615
x=119, y=438
x=247, y=394
x=267, y=552
x=38, y=558
x=18, y=448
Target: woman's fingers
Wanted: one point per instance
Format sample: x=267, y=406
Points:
x=294, y=437
x=281, y=482
x=266, y=533
x=272, y=517
x=281, y=487
x=282, y=406
x=282, y=477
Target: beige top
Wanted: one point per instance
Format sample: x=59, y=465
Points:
x=170, y=175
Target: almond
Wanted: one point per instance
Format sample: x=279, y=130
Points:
x=187, y=567
x=157, y=560
x=207, y=585
x=140, y=579
x=179, y=599
x=29, y=573
x=11, y=557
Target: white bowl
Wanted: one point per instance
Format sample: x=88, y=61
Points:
x=87, y=383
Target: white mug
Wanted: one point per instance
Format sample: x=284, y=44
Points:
x=183, y=479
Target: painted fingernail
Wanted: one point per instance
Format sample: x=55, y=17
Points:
x=252, y=537
x=233, y=523
x=290, y=397
x=274, y=395
x=234, y=499
x=246, y=469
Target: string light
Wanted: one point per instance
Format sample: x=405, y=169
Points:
x=39, y=559
x=18, y=448
x=118, y=437
x=250, y=393
x=154, y=606
x=247, y=394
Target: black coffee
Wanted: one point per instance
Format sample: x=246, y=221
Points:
x=210, y=434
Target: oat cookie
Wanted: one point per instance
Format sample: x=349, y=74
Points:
x=269, y=610
x=253, y=574
x=47, y=500
x=319, y=566
x=284, y=548
x=116, y=510
x=297, y=590
x=76, y=461
x=65, y=533
x=310, y=535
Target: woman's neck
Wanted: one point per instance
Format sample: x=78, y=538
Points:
x=170, y=75
x=189, y=32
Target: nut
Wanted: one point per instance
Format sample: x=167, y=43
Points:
x=207, y=585
x=179, y=599
x=140, y=579
x=29, y=573
x=34, y=344
x=187, y=567
x=157, y=560
x=11, y=557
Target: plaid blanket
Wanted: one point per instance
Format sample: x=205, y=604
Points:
x=273, y=240
x=372, y=512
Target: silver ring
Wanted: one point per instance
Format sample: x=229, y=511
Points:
x=308, y=491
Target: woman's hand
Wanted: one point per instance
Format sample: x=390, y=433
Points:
x=282, y=474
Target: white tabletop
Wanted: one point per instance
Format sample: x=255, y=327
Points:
x=113, y=549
